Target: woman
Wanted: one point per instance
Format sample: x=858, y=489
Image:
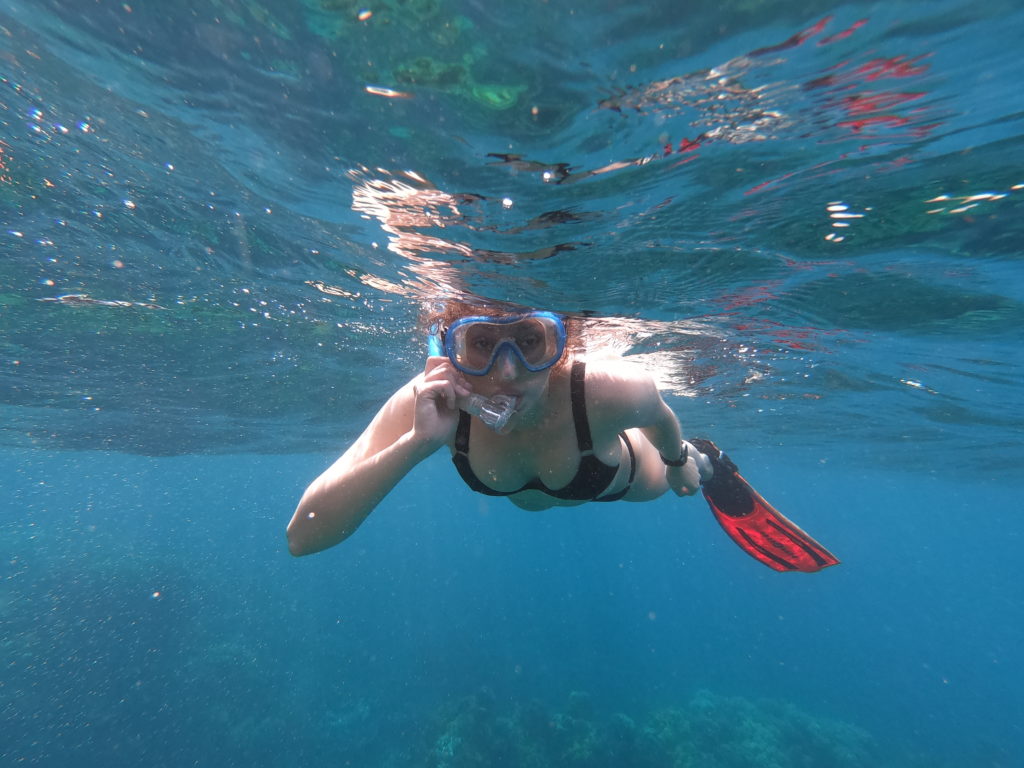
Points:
x=572, y=431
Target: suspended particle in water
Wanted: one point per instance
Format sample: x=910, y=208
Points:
x=389, y=93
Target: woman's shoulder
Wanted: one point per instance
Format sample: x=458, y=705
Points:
x=614, y=369
x=612, y=379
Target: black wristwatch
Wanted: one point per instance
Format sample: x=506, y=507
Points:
x=677, y=462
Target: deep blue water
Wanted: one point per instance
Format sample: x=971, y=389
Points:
x=217, y=234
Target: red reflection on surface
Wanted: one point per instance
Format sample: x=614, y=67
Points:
x=685, y=145
x=800, y=338
x=844, y=34
x=866, y=102
x=795, y=40
x=761, y=330
x=748, y=297
x=795, y=338
x=876, y=69
x=895, y=66
x=876, y=113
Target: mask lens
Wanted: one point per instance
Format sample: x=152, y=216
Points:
x=532, y=340
x=477, y=346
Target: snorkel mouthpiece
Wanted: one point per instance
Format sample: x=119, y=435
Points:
x=495, y=411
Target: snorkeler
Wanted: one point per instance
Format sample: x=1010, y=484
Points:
x=525, y=417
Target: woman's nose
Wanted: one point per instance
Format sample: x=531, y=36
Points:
x=506, y=365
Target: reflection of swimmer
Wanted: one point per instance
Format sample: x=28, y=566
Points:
x=576, y=431
x=85, y=300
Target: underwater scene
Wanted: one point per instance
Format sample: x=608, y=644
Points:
x=223, y=226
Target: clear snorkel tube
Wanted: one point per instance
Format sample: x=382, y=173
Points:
x=495, y=411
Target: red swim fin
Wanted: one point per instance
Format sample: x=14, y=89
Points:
x=759, y=529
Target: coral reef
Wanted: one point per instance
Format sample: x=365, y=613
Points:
x=710, y=731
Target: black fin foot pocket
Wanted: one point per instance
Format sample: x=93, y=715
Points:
x=725, y=488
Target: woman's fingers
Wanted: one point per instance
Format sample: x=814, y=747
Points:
x=684, y=480
x=433, y=362
x=441, y=369
x=441, y=390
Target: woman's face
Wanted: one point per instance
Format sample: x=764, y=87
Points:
x=496, y=355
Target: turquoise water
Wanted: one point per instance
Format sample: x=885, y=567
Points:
x=220, y=221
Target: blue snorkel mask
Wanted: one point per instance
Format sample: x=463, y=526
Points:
x=474, y=343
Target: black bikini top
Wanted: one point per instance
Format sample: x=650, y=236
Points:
x=592, y=475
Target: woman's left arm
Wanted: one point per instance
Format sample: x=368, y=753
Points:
x=633, y=400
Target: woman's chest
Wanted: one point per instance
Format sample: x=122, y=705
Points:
x=549, y=459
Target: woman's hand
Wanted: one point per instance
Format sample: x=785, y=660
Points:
x=684, y=480
x=436, y=410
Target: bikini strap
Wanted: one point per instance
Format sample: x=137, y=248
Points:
x=578, y=398
x=462, y=433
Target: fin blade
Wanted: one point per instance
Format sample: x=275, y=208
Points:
x=768, y=536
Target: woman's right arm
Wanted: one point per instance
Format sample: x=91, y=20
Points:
x=416, y=421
